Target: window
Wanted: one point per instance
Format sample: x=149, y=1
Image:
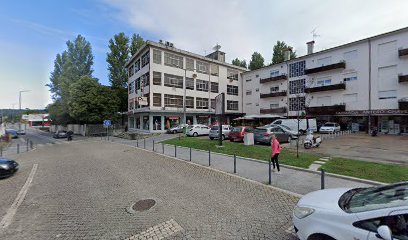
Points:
x=137, y=84
x=232, y=105
x=132, y=87
x=189, y=102
x=202, y=85
x=214, y=87
x=214, y=69
x=324, y=82
x=297, y=69
x=397, y=224
x=201, y=103
x=157, y=99
x=350, y=77
x=274, y=105
x=131, y=71
x=145, y=59
x=156, y=78
x=297, y=86
x=296, y=104
x=145, y=79
x=173, y=60
x=173, y=81
x=157, y=56
x=190, y=64
x=173, y=101
x=387, y=94
x=213, y=103
x=274, y=73
x=248, y=92
x=137, y=66
x=202, y=67
x=274, y=89
x=232, y=74
x=248, y=80
x=190, y=83
x=232, y=90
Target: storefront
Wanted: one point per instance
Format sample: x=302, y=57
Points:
x=189, y=120
x=393, y=124
x=145, y=122
x=203, y=119
x=171, y=121
x=157, y=123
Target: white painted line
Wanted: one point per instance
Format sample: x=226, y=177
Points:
x=8, y=218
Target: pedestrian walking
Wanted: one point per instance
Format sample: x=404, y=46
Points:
x=275, y=145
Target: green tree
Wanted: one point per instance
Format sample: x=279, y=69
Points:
x=279, y=52
x=257, y=61
x=135, y=43
x=59, y=113
x=91, y=102
x=239, y=63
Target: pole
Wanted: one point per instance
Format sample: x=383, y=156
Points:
x=269, y=171
x=220, y=130
x=144, y=143
x=322, y=173
x=235, y=163
x=27, y=144
x=209, y=157
x=18, y=148
x=163, y=148
x=153, y=145
x=184, y=98
x=137, y=143
x=297, y=140
x=175, y=150
x=19, y=109
x=190, y=154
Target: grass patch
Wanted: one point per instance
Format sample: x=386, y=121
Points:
x=286, y=156
x=388, y=173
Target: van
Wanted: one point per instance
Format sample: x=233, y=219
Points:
x=293, y=124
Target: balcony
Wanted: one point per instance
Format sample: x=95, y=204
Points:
x=403, y=52
x=403, y=104
x=273, y=79
x=339, y=86
x=274, y=94
x=340, y=65
x=273, y=110
x=326, y=110
x=402, y=78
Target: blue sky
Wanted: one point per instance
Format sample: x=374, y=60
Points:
x=33, y=32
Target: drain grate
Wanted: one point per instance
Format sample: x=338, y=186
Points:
x=143, y=205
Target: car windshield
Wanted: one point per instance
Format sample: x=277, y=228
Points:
x=368, y=199
x=328, y=125
x=286, y=127
x=214, y=128
x=236, y=129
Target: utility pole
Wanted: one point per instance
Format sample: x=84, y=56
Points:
x=19, y=106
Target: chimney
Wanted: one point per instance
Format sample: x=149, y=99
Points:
x=310, y=46
x=288, y=52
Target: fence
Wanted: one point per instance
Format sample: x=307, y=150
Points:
x=88, y=129
x=16, y=148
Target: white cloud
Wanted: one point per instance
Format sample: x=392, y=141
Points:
x=242, y=27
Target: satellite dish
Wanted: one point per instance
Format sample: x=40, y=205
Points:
x=217, y=47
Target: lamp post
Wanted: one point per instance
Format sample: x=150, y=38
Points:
x=19, y=106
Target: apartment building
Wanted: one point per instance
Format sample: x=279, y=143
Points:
x=362, y=83
x=169, y=86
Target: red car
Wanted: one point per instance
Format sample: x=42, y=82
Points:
x=237, y=133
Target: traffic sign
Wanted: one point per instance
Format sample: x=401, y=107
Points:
x=107, y=123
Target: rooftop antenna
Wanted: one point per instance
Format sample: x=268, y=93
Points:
x=217, y=47
x=314, y=34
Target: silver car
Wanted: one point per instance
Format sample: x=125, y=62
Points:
x=226, y=129
x=264, y=134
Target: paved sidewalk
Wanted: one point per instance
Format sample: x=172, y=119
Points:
x=293, y=180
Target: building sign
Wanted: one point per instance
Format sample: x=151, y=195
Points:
x=203, y=116
x=173, y=117
x=373, y=112
x=142, y=100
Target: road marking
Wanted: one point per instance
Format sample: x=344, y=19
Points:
x=159, y=231
x=8, y=218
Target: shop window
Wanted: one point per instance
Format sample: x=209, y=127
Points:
x=157, y=123
x=145, y=122
x=137, y=122
x=171, y=121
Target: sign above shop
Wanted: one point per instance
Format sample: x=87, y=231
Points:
x=173, y=117
x=373, y=112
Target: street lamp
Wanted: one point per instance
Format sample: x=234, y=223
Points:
x=19, y=106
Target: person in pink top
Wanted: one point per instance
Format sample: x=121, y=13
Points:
x=275, y=152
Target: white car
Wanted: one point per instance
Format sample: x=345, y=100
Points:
x=330, y=127
x=198, y=129
x=361, y=213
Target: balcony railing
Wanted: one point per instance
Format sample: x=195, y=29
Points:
x=339, y=86
x=403, y=52
x=273, y=110
x=326, y=68
x=326, y=110
x=274, y=94
x=402, y=78
x=403, y=104
x=272, y=79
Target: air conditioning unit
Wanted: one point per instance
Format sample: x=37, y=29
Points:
x=194, y=75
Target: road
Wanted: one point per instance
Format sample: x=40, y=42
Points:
x=84, y=190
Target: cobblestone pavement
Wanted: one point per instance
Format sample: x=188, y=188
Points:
x=82, y=190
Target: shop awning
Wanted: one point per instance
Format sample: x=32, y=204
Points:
x=254, y=116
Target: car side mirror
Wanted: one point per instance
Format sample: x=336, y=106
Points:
x=384, y=232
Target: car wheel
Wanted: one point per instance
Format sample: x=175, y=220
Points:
x=195, y=134
x=222, y=137
x=320, y=237
x=307, y=145
x=211, y=138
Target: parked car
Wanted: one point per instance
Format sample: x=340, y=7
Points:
x=198, y=129
x=285, y=128
x=237, y=133
x=264, y=134
x=7, y=167
x=177, y=129
x=21, y=132
x=12, y=132
x=60, y=134
x=293, y=124
x=226, y=129
x=359, y=213
x=330, y=127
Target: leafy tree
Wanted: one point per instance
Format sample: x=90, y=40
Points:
x=135, y=43
x=279, y=52
x=257, y=61
x=59, y=113
x=92, y=102
x=239, y=63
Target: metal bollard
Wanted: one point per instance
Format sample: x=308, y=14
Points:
x=190, y=154
x=137, y=143
x=175, y=150
x=18, y=148
x=153, y=145
x=163, y=148
x=31, y=144
x=27, y=146
x=235, y=163
x=209, y=157
x=270, y=174
x=322, y=173
x=144, y=143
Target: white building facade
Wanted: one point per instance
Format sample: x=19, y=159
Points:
x=363, y=82
x=180, y=87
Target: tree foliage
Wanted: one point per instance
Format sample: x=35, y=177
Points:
x=257, y=61
x=279, y=52
x=117, y=58
x=136, y=42
x=239, y=63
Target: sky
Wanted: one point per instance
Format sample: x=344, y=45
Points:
x=33, y=32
